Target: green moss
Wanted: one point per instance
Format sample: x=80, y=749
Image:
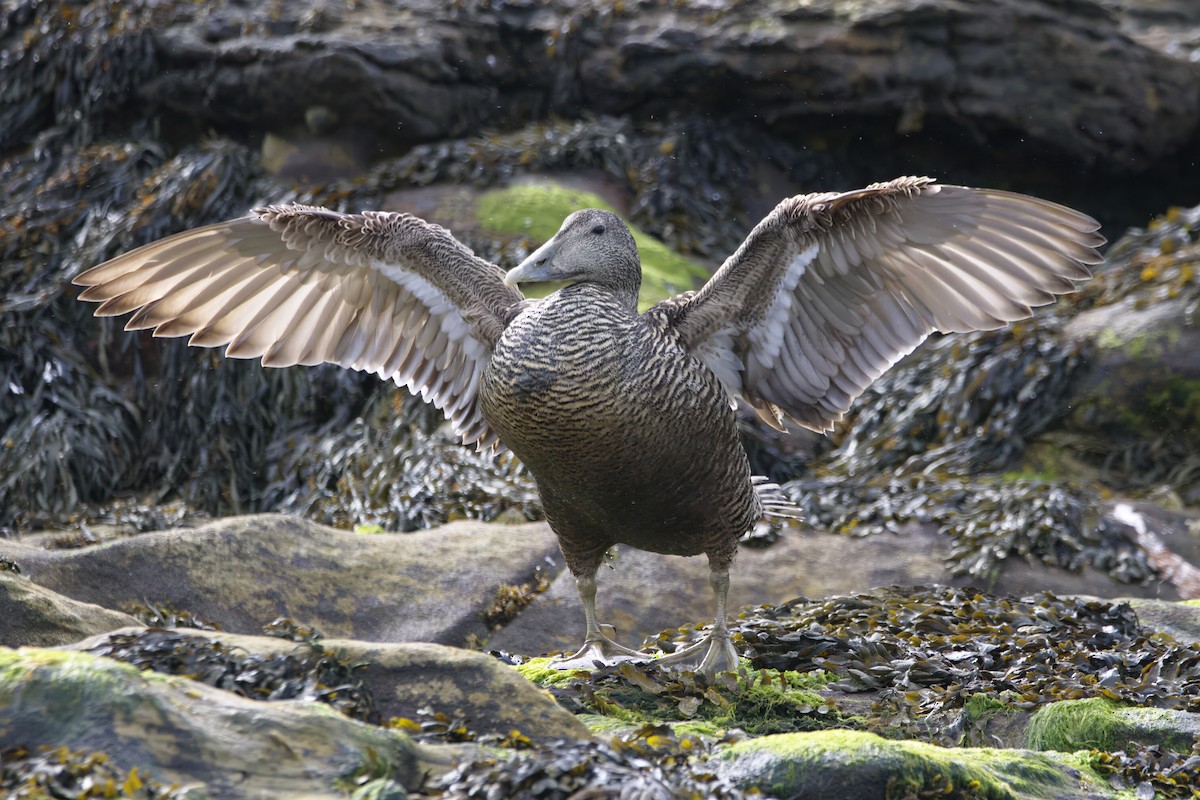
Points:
x=538, y=670
x=537, y=210
x=58, y=684
x=1074, y=725
x=788, y=764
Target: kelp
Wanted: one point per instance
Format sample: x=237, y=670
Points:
x=60, y=772
x=396, y=466
x=311, y=672
x=1149, y=771
x=651, y=762
x=985, y=519
x=928, y=650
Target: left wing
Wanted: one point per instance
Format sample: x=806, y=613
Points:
x=832, y=289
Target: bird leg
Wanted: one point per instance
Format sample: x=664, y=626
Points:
x=596, y=646
x=714, y=653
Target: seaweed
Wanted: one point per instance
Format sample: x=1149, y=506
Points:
x=60, y=772
x=756, y=701
x=651, y=762
x=311, y=672
x=1150, y=771
x=393, y=466
x=929, y=650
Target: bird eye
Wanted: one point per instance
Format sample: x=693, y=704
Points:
x=599, y=229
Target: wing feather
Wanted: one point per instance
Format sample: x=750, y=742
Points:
x=378, y=291
x=883, y=267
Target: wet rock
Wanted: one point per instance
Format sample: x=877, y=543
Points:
x=178, y=731
x=853, y=764
x=33, y=615
x=1145, y=367
x=411, y=681
x=1179, y=620
x=244, y=572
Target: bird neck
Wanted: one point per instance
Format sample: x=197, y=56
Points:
x=624, y=295
x=624, y=282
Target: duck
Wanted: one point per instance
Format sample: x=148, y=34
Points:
x=626, y=419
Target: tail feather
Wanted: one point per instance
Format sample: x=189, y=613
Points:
x=775, y=503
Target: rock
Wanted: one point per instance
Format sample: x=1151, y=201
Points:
x=1170, y=26
x=1144, y=374
x=490, y=697
x=433, y=72
x=852, y=764
x=926, y=87
x=244, y=572
x=178, y=731
x=1179, y=620
x=645, y=593
x=1099, y=724
x=33, y=615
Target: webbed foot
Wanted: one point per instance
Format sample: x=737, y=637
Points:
x=597, y=648
x=711, y=655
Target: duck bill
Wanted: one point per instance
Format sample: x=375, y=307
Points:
x=538, y=267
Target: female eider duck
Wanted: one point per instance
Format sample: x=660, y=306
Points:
x=625, y=419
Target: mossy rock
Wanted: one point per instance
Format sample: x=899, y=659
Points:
x=537, y=210
x=176, y=730
x=1099, y=724
x=847, y=764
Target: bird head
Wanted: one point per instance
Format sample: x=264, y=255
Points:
x=592, y=246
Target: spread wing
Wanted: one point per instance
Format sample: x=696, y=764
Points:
x=378, y=291
x=830, y=290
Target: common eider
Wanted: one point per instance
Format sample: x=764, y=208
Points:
x=625, y=419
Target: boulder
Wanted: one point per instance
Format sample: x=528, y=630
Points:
x=175, y=730
x=853, y=764
x=34, y=615
x=242, y=573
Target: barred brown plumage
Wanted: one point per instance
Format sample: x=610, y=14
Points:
x=625, y=419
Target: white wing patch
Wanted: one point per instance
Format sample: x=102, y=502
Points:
x=766, y=337
x=718, y=354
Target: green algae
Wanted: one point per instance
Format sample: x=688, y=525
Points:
x=982, y=705
x=1100, y=724
x=539, y=671
x=1074, y=725
x=56, y=685
x=537, y=210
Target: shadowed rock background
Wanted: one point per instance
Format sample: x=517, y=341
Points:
x=1062, y=454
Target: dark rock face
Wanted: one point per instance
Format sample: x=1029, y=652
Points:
x=987, y=89
x=430, y=72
